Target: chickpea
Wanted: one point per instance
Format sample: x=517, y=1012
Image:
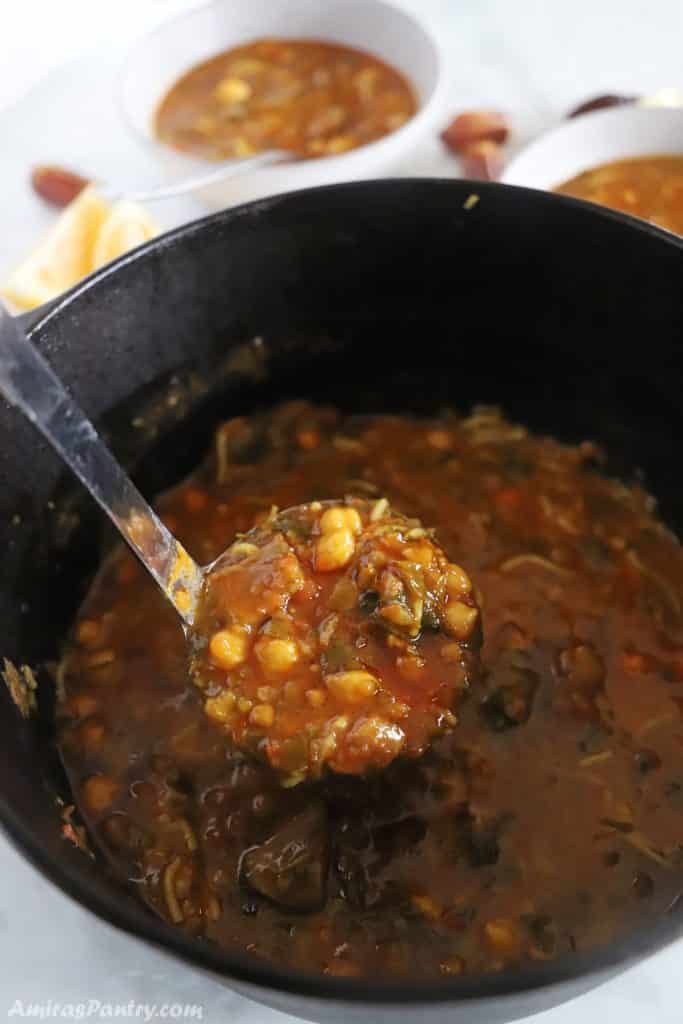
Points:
x=308, y=439
x=503, y=937
x=316, y=698
x=276, y=656
x=341, y=519
x=585, y=668
x=229, y=647
x=89, y=633
x=232, y=90
x=373, y=733
x=340, y=143
x=439, y=439
x=458, y=583
x=353, y=687
x=428, y=907
x=421, y=554
x=396, y=710
x=241, y=147
x=365, y=82
x=460, y=619
x=334, y=550
x=292, y=573
x=262, y=716
x=81, y=705
x=99, y=792
x=220, y=708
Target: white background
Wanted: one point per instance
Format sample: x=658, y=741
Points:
x=534, y=58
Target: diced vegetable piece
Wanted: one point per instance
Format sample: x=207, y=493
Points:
x=290, y=868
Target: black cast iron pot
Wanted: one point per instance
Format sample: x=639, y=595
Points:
x=396, y=295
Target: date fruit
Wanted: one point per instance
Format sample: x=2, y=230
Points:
x=57, y=185
x=475, y=126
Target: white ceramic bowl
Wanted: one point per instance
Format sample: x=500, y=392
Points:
x=373, y=25
x=598, y=138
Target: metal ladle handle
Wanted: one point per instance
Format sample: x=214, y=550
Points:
x=29, y=384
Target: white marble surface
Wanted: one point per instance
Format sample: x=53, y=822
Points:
x=534, y=58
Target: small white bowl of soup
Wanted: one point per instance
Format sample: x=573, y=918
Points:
x=350, y=87
x=629, y=158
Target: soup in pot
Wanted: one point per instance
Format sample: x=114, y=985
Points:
x=548, y=820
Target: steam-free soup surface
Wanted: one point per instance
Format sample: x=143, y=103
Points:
x=548, y=820
x=309, y=97
x=650, y=187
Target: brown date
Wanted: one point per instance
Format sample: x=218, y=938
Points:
x=474, y=126
x=57, y=185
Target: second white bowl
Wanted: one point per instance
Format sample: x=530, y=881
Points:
x=587, y=141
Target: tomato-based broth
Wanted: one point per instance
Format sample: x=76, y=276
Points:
x=309, y=97
x=650, y=187
x=546, y=818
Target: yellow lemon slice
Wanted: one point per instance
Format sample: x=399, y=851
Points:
x=87, y=234
x=127, y=226
x=63, y=257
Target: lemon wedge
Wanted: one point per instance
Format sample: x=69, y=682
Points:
x=88, y=233
x=127, y=226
